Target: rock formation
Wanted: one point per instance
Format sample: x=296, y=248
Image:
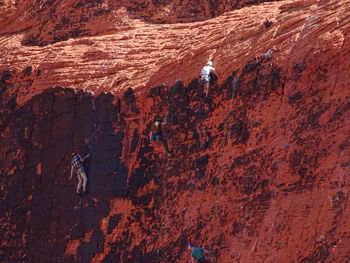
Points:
x=260, y=172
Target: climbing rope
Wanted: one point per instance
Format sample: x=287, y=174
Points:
x=234, y=95
x=160, y=237
x=164, y=166
x=215, y=180
x=172, y=92
x=96, y=127
x=89, y=143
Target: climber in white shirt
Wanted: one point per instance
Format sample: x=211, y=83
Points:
x=205, y=76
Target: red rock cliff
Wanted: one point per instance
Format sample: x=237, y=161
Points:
x=261, y=167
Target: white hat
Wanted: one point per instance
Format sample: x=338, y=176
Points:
x=209, y=63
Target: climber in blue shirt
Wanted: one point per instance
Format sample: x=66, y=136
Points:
x=197, y=254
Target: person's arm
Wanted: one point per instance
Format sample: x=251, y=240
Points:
x=164, y=121
x=87, y=156
x=192, y=259
x=71, y=172
x=150, y=136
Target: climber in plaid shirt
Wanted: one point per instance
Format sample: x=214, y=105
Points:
x=77, y=166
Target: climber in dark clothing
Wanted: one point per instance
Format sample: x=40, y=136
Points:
x=156, y=134
x=78, y=167
x=197, y=254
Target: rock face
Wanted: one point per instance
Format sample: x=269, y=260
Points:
x=260, y=168
x=53, y=21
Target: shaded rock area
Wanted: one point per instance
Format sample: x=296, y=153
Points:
x=47, y=129
x=261, y=166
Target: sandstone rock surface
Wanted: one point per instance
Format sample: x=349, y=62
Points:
x=261, y=167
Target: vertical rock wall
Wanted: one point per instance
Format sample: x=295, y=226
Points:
x=260, y=167
x=259, y=172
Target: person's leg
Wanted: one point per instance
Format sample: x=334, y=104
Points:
x=160, y=138
x=83, y=175
x=80, y=182
x=207, y=88
x=165, y=144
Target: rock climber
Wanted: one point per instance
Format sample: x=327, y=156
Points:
x=78, y=167
x=205, y=76
x=197, y=254
x=156, y=134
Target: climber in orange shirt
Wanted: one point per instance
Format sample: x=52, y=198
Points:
x=156, y=134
